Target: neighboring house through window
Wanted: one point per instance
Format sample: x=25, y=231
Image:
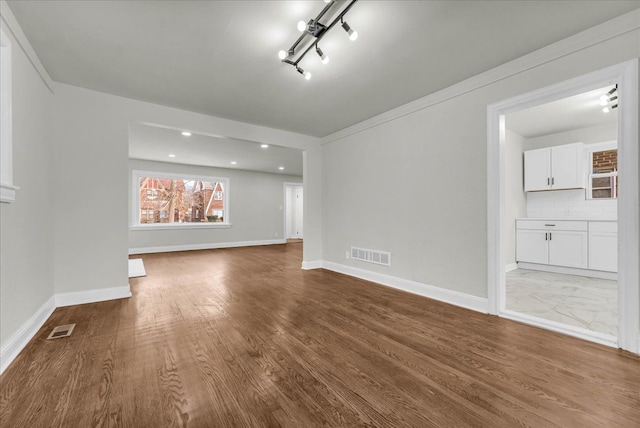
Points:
x=165, y=200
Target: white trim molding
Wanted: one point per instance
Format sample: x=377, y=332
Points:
x=592, y=36
x=8, y=192
x=25, y=333
x=314, y=264
x=16, y=343
x=92, y=296
x=452, y=297
x=625, y=75
x=7, y=189
x=12, y=23
x=206, y=246
x=511, y=267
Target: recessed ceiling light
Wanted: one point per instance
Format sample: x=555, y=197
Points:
x=172, y=155
x=280, y=168
x=233, y=162
x=264, y=146
x=186, y=133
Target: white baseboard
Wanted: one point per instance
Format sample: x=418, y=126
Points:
x=207, y=246
x=20, y=338
x=92, y=296
x=456, y=298
x=581, y=333
x=510, y=267
x=569, y=271
x=314, y=264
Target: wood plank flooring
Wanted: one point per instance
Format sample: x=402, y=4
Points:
x=243, y=338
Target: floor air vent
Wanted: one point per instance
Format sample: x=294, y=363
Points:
x=62, y=331
x=371, y=256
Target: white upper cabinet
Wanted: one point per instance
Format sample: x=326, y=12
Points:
x=555, y=168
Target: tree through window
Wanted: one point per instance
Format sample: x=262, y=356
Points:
x=180, y=200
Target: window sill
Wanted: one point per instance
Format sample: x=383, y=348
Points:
x=8, y=192
x=175, y=226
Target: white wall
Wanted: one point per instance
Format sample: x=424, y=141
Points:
x=256, y=206
x=589, y=135
x=91, y=157
x=26, y=247
x=516, y=202
x=416, y=184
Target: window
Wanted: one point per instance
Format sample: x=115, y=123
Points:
x=167, y=200
x=603, y=171
x=7, y=189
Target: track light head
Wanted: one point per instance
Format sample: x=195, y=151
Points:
x=306, y=74
x=352, y=33
x=323, y=58
x=282, y=54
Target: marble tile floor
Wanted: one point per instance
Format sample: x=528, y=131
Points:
x=579, y=301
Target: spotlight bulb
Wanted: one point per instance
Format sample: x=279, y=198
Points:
x=352, y=33
x=606, y=110
x=302, y=26
x=306, y=74
x=323, y=58
x=282, y=54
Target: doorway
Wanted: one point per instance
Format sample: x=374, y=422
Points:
x=561, y=213
x=626, y=77
x=294, y=202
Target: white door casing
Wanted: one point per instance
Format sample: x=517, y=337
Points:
x=625, y=75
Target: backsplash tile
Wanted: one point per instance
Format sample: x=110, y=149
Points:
x=569, y=204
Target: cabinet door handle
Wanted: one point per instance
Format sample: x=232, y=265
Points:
x=553, y=181
x=549, y=236
x=549, y=224
x=545, y=236
x=548, y=181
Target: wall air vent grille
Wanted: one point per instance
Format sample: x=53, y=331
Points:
x=371, y=256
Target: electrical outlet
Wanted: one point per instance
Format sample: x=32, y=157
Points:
x=347, y=254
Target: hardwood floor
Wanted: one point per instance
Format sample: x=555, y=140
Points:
x=243, y=337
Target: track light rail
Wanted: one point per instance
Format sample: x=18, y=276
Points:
x=313, y=33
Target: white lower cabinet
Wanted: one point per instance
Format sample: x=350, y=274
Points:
x=558, y=243
x=603, y=246
x=568, y=248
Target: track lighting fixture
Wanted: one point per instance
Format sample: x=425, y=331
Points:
x=314, y=30
x=608, y=98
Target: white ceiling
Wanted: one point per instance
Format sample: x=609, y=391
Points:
x=150, y=142
x=576, y=112
x=220, y=57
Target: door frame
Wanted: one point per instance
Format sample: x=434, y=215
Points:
x=287, y=213
x=626, y=76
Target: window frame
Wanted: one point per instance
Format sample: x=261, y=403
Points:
x=591, y=149
x=7, y=188
x=135, y=201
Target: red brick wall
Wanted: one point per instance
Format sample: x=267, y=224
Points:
x=606, y=161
